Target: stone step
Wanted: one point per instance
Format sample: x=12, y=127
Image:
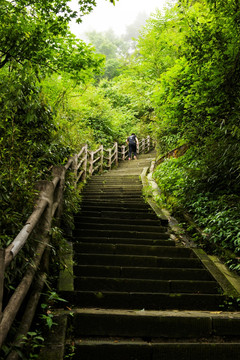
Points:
x=150, y=242
x=140, y=350
x=156, y=324
x=144, y=300
x=136, y=260
x=114, y=181
x=112, y=196
x=144, y=285
x=105, y=206
x=111, y=191
x=120, y=227
x=107, y=221
x=157, y=273
x=113, y=186
x=121, y=233
x=130, y=249
x=132, y=204
x=124, y=214
x=107, y=175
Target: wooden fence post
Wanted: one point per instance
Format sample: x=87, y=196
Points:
x=59, y=171
x=148, y=143
x=74, y=166
x=110, y=158
x=123, y=147
x=101, y=160
x=2, y=268
x=91, y=163
x=85, y=163
x=116, y=153
x=143, y=145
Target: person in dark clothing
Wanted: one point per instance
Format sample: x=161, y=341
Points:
x=132, y=142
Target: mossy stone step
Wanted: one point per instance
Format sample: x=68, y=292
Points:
x=131, y=205
x=130, y=249
x=107, y=221
x=140, y=350
x=143, y=272
x=123, y=214
x=121, y=227
x=143, y=285
x=136, y=260
x=164, y=242
x=114, y=196
x=115, y=187
x=114, y=181
x=144, y=300
x=130, y=208
x=118, y=191
x=121, y=233
x=156, y=324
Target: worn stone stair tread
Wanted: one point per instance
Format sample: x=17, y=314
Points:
x=115, y=181
x=117, y=192
x=144, y=300
x=115, y=240
x=125, y=227
x=111, y=198
x=120, y=215
x=129, y=350
x=106, y=177
x=143, y=272
x=118, y=183
x=146, y=285
x=107, y=221
x=115, y=187
x=136, y=260
x=108, y=174
x=116, y=207
x=115, y=203
x=156, y=324
x=121, y=233
x=134, y=249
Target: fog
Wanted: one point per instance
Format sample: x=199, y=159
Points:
x=106, y=16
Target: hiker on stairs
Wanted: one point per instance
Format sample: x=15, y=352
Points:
x=132, y=142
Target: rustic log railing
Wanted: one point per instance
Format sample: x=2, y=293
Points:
x=48, y=207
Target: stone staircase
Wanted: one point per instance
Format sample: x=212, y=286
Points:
x=137, y=294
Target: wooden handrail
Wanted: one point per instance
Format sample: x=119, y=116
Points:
x=49, y=205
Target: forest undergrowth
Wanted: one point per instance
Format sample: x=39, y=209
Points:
x=176, y=79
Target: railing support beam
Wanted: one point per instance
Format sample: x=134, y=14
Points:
x=2, y=267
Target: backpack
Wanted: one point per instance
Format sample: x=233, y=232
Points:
x=132, y=140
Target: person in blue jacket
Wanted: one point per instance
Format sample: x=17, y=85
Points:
x=132, y=142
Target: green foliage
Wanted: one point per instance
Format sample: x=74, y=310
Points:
x=113, y=47
x=51, y=299
x=38, y=33
x=189, y=57
x=29, y=347
x=186, y=188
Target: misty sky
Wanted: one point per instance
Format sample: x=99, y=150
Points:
x=105, y=16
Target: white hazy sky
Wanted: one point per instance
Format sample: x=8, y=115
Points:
x=105, y=16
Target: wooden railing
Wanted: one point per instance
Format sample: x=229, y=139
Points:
x=48, y=207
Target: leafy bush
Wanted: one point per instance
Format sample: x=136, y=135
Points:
x=189, y=184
